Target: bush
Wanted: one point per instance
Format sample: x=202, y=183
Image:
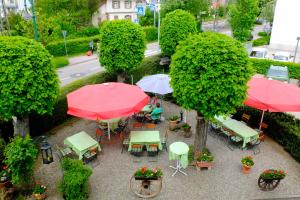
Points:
x=261, y=66
x=151, y=33
x=175, y=27
x=89, y=31
x=60, y=61
x=261, y=41
x=283, y=128
x=74, y=46
x=74, y=185
x=262, y=34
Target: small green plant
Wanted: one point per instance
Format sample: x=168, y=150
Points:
x=39, y=189
x=173, y=118
x=60, y=61
x=273, y=174
x=262, y=34
x=248, y=161
x=191, y=153
x=145, y=172
x=205, y=156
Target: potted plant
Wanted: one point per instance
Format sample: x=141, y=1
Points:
x=173, y=120
x=39, y=192
x=270, y=179
x=205, y=159
x=5, y=177
x=187, y=130
x=247, y=164
x=148, y=174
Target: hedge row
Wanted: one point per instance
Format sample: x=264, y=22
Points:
x=261, y=66
x=74, y=46
x=283, y=128
x=60, y=61
x=151, y=33
x=261, y=41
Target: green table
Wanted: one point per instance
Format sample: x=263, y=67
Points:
x=113, y=123
x=179, y=151
x=147, y=109
x=81, y=143
x=241, y=130
x=144, y=138
x=221, y=119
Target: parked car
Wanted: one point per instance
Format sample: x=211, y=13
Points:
x=279, y=73
x=260, y=53
x=283, y=56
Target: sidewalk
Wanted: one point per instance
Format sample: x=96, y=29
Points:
x=82, y=59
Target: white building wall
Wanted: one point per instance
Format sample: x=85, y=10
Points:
x=286, y=27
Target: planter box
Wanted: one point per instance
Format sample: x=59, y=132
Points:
x=207, y=165
x=146, y=179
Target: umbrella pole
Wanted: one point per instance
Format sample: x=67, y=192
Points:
x=108, y=130
x=261, y=120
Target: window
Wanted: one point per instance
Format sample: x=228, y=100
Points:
x=116, y=17
x=127, y=4
x=128, y=17
x=115, y=4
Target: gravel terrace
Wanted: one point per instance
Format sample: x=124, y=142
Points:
x=113, y=170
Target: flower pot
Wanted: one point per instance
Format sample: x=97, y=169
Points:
x=246, y=169
x=39, y=196
x=146, y=178
x=202, y=164
x=172, y=125
x=187, y=132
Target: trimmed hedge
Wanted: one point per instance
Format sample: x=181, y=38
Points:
x=261, y=41
x=74, y=185
x=151, y=33
x=60, y=61
x=261, y=66
x=283, y=128
x=74, y=46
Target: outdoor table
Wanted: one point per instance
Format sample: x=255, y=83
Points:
x=81, y=143
x=241, y=130
x=221, y=119
x=147, y=109
x=113, y=123
x=144, y=138
x=179, y=151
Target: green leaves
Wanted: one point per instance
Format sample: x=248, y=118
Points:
x=175, y=27
x=28, y=81
x=209, y=73
x=122, y=46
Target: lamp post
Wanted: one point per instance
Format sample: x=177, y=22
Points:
x=27, y=16
x=200, y=18
x=296, y=49
x=158, y=27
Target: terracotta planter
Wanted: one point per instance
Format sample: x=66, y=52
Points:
x=202, y=164
x=187, y=132
x=246, y=169
x=39, y=196
x=172, y=125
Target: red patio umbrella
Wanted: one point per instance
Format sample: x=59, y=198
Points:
x=106, y=101
x=272, y=96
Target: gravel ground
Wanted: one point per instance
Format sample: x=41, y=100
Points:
x=112, y=170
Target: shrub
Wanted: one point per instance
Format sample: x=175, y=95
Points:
x=20, y=155
x=175, y=27
x=283, y=128
x=262, y=34
x=60, y=61
x=122, y=46
x=89, y=31
x=261, y=66
x=261, y=41
x=151, y=33
x=74, y=185
x=2, y=147
x=74, y=46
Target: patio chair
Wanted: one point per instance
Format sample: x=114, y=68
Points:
x=164, y=141
x=136, y=150
x=90, y=155
x=137, y=125
x=99, y=135
x=214, y=129
x=254, y=146
x=262, y=135
x=125, y=141
x=63, y=152
x=122, y=126
x=245, y=118
x=150, y=126
x=152, y=150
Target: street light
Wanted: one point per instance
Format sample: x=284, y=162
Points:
x=296, y=49
x=27, y=16
x=200, y=18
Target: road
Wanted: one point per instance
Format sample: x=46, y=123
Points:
x=83, y=66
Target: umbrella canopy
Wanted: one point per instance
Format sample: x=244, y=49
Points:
x=273, y=96
x=158, y=84
x=106, y=101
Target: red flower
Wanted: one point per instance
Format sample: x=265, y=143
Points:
x=5, y=167
x=154, y=170
x=143, y=169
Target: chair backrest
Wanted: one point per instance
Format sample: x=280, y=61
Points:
x=264, y=126
x=94, y=150
x=150, y=126
x=99, y=132
x=245, y=117
x=153, y=145
x=137, y=125
x=136, y=146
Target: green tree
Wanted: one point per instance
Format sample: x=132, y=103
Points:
x=148, y=18
x=209, y=73
x=20, y=155
x=122, y=46
x=242, y=16
x=268, y=11
x=176, y=26
x=28, y=81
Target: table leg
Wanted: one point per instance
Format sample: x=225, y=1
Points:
x=178, y=168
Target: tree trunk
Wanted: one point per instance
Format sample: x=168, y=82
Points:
x=200, y=135
x=21, y=126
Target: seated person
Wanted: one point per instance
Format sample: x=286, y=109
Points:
x=156, y=112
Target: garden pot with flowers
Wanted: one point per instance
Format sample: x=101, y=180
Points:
x=205, y=159
x=5, y=177
x=144, y=179
x=270, y=179
x=39, y=192
x=173, y=121
x=187, y=130
x=247, y=164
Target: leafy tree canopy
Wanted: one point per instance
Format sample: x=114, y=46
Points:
x=148, y=18
x=209, y=73
x=122, y=45
x=176, y=26
x=242, y=16
x=28, y=81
